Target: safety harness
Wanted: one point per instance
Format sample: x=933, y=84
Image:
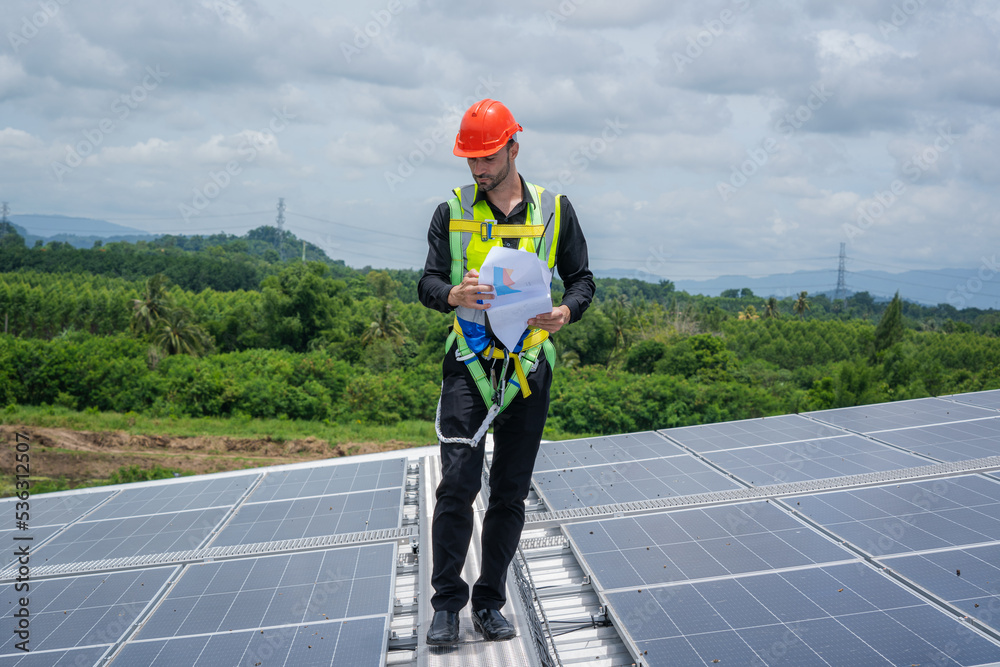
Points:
x=469, y=227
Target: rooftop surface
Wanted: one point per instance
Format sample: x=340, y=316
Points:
x=856, y=536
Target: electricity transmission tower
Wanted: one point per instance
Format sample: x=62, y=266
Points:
x=280, y=224
x=4, y=210
x=841, y=284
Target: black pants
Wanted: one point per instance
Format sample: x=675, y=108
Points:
x=517, y=432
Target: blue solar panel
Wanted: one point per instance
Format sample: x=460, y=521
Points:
x=912, y=516
x=750, y=432
x=270, y=591
x=984, y=399
x=175, y=497
x=958, y=441
x=903, y=414
x=693, y=544
x=628, y=482
x=58, y=510
x=132, y=536
x=314, y=517
x=811, y=459
x=968, y=578
x=76, y=612
x=603, y=450
x=828, y=615
x=354, y=642
x=80, y=657
x=330, y=479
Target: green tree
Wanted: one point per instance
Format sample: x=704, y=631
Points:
x=890, y=328
x=386, y=326
x=771, y=311
x=801, y=304
x=177, y=333
x=152, y=305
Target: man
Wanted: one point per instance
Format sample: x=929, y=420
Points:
x=482, y=381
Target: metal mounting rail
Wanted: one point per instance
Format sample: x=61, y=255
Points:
x=217, y=553
x=986, y=464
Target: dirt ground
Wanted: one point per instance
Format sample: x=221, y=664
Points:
x=84, y=456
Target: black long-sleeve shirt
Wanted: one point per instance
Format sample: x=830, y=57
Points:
x=571, y=256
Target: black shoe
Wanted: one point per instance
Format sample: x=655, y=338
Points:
x=444, y=629
x=493, y=625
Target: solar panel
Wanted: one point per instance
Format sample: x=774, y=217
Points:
x=903, y=414
x=330, y=479
x=313, y=608
x=131, y=536
x=175, y=497
x=749, y=432
x=75, y=612
x=628, y=482
x=355, y=642
x=811, y=459
x=967, y=578
x=912, y=516
x=984, y=399
x=313, y=517
x=665, y=547
x=71, y=658
x=58, y=510
x=959, y=441
x=844, y=614
x=270, y=591
x=606, y=449
x=37, y=535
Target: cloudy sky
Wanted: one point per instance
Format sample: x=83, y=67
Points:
x=694, y=138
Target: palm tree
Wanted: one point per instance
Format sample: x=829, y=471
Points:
x=618, y=312
x=750, y=313
x=152, y=306
x=771, y=311
x=801, y=304
x=386, y=326
x=177, y=333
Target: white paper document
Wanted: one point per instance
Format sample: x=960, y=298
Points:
x=521, y=282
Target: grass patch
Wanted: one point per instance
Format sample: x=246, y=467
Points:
x=411, y=432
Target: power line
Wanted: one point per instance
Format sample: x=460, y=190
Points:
x=890, y=266
x=363, y=229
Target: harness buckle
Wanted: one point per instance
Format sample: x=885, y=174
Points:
x=486, y=229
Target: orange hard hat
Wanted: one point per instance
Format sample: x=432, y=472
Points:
x=485, y=129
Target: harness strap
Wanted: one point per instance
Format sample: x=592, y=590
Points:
x=490, y=229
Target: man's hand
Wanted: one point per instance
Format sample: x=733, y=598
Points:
x=551, y=322
x=470, y=293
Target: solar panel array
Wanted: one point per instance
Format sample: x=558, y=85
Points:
x=848, y=536
x=855, y=572
x=150, y=604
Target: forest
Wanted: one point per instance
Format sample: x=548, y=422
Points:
x=242, y=327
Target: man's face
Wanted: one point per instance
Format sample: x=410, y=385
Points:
x=492, y=170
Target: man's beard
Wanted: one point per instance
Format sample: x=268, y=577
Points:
x=498, y=179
